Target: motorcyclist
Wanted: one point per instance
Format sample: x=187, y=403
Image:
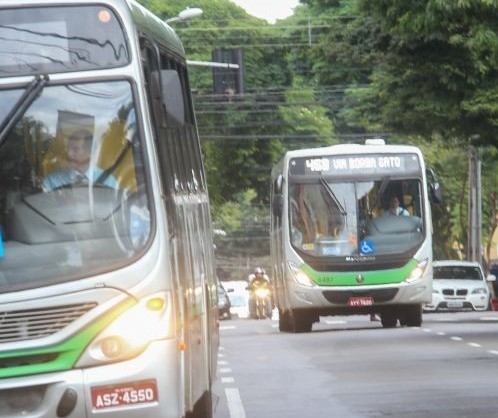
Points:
x=258, y=280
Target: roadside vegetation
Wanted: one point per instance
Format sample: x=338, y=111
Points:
x=422, y=73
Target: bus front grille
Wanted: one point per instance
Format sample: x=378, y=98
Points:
x=30, y=324
x=342, y=296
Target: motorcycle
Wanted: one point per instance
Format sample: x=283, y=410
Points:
x=261, y=303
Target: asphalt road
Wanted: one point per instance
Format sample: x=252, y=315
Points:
x=349, y=367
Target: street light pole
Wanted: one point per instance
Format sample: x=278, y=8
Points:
x=186, y=14
x=474, y=252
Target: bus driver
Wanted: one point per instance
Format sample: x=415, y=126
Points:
x=395, y=209
x=78, y=170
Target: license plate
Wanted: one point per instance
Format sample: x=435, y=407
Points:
x=361, y=301
x=454, y=304
x=126, y=394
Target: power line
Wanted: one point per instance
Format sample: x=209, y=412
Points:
x=221, y=26
x=255, y=137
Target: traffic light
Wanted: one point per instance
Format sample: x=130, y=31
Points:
x=228, y=81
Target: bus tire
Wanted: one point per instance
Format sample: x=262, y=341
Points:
x=283, y=320
x=388, y=319
x=300, y=321
x=204, y=406
x=413, y=315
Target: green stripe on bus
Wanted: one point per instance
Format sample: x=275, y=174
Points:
x=349, y=278
x=65, y=354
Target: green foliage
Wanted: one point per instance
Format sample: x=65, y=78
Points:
x=438, y=57
x=305, y=120
x=422, y=72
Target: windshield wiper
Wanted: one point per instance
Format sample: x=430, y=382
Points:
x=18, y=110
x=332, y=195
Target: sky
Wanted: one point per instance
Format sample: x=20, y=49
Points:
x=268, y=9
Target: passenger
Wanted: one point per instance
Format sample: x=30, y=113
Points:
x=395, y=209
x=78, y=154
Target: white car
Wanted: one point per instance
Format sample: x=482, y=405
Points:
x=459, y=285
x=239, y=298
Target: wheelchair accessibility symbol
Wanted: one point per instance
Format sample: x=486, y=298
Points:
x=367, y=247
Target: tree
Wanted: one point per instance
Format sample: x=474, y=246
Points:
x=439, y=67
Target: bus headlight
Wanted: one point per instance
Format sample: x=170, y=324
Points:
x=130, y=333
x=418, y=272
x=300, y=276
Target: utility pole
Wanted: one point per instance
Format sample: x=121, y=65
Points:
x=474, y=233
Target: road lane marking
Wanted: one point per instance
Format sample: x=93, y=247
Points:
x=225, y=370
x=227, y=380
x=456, y=338
x=225, y=327
x=235, y=407
x=495, y=352
x=475, y=345
x=222, y=362
x=445, y=319
x=441, y=333
x=489, y=318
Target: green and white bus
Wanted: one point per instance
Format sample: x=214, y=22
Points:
x=108, y=298
x=336, y=250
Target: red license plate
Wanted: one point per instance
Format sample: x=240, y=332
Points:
x=361, y=301
x=126, y=394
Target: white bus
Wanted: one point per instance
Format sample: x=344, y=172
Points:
x=108, y=299
x=336, y=250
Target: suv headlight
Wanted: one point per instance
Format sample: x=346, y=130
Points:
x=479, y=291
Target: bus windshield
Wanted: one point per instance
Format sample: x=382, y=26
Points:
x=60, y=39
x=73, y=198
x=356, y=218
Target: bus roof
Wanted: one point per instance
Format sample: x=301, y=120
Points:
x=341, y=149
x=148, y=21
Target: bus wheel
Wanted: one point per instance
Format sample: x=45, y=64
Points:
x=413, y=315
x=204, y=406
x=283, y=320
x=388, y=319
x=301, y=321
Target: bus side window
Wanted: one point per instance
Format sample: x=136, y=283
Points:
x=172, y=97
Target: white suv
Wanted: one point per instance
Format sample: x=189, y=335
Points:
x=459, y=285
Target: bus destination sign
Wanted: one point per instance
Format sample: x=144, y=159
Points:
x=355, y=164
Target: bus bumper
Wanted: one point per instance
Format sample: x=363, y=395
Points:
x=361, y=299
x=146, y=386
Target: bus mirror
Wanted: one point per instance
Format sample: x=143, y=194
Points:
x=277, y=205
x=433, y=186
x=172, y=98
x=278, y=199
x=279, y=182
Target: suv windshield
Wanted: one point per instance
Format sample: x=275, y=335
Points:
x=72, y=194
x=457, y=273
